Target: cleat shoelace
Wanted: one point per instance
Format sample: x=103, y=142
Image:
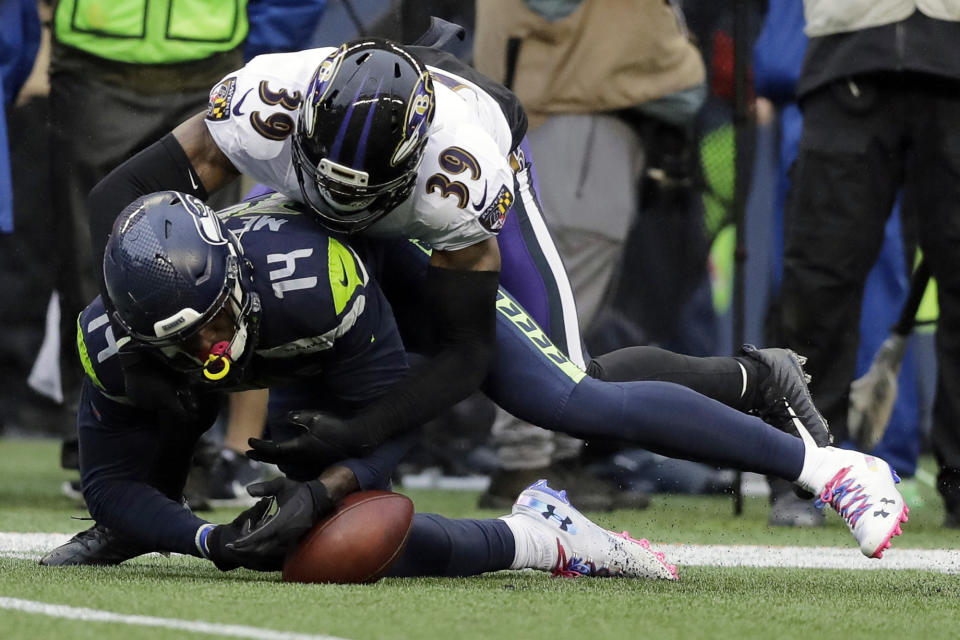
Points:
x=573, y=567
x=840, y=489
x=847, y=498
x=89, y=537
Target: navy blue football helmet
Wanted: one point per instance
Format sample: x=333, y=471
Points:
x=361, y=132
x=170, y=268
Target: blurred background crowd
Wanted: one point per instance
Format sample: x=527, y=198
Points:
x=658, y=186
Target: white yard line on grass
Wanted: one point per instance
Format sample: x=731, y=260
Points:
x=718, y=555
x=196, y=626
x=14, y=545
x=30, y=546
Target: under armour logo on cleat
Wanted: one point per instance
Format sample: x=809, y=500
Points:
x=880, y=513
x=887, y=501
x=550, y=513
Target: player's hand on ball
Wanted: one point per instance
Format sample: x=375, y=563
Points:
x=299, y=506
x=323, y=442
x=220, y=538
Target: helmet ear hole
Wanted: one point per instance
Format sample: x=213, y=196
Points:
x=167, y=228
x=396, y=70
x=362, y=59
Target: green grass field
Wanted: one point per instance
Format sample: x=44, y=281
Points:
x=182, y=597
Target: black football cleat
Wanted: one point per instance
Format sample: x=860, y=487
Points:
x=784, y=399
x=94, y=546
x=229, y=475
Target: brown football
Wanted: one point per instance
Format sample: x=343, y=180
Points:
x=356, y=543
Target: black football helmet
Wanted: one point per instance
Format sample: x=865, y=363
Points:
x=361, y=132
x=170, y=267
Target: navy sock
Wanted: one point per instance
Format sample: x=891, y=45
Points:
x=674, y=421
x=451, y=548
x=719, y=378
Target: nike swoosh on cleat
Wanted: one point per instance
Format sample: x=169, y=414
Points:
x=236, y=107
x=802, y=430
x=483, y=200
x=343, y=270
x=192, y=181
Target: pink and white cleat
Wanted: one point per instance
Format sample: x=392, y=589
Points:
x=582, y=547
x=862, y=489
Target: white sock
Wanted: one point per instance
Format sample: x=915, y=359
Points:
x=534, y=547
x=815, y=474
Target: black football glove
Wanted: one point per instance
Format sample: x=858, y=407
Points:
x=326, y=440
x=300, y=505
x=217, y=545
x=156, y=388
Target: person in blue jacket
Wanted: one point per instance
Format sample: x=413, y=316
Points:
x=19, y=41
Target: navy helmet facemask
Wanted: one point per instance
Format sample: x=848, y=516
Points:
x=170, y=269
x=362, y=128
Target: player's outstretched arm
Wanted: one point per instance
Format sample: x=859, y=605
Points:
x=186, y=160
x=461, y=293
x=210, y=164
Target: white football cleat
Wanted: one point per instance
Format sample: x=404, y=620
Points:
x=862, y=489
x=584, y=548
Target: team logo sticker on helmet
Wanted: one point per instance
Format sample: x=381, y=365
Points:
x=317, y=89
x=418, y=118
x=208, y=226
x=495, y=215
x=220, y=98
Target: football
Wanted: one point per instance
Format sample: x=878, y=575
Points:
x=357, y=543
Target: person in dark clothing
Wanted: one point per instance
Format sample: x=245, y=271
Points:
x=880, y=94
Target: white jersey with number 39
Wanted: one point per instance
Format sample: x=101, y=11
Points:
x=465, y=185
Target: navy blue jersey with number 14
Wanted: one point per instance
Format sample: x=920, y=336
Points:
x=324, y=323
